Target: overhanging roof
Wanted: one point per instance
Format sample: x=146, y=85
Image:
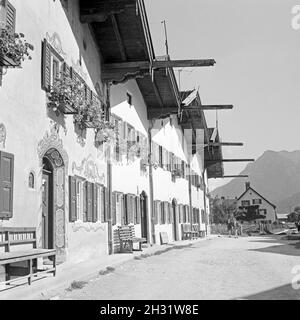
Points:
x=213, y=155
x=121, y=31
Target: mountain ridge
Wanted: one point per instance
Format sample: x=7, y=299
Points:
x=275, y=175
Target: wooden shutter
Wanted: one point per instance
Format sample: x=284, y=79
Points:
x=10, y=17
x=168, y=210
x=95, y=203
x=127, y=209
x=130, y=209
x=89, y=201
x=6, y=185
x=155, y=213
x=66, y=69
x=46, y=66
x=171, y=212
x=138, y=210
x=114, y=209
x=102, y=205
x=72, y=199
x=107, y=213
x=162, y=213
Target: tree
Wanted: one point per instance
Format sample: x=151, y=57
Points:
x=222, y=209
x=249, y=213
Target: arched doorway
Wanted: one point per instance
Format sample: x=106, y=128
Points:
x=53, y=202
x=175, y=220
x=144, y=215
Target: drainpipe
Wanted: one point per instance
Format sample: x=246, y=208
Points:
x=204, y=194
x=151, y=185
x=109, y=178
x=190, y=198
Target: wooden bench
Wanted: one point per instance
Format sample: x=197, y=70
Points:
x=186, y=231
x=127, y=238
x=195, y=231
x=23, y=236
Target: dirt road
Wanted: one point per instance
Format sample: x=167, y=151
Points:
x=221, y=268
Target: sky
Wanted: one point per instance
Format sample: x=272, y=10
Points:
x=258, y=68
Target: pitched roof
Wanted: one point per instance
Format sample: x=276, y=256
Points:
x=273, y=205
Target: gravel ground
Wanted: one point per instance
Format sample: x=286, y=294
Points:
x=221, y=268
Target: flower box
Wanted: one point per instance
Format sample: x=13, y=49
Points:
x=13, y=48
x=5, y=61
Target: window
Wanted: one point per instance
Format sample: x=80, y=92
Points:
x=129, y=98
x=87, y=200
x=245, y=203
x=256, y=201
x=263, y=211
x=31, y=180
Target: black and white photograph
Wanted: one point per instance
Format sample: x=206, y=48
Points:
x=149, y=151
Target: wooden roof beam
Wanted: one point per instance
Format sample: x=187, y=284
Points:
x=225, y=144
x=210, y=107
x=156, y=113
x=118, y=37
x=229, y=160
x=236, y=176
x=161, y=64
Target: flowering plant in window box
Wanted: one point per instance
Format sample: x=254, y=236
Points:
x=104, y=132
x=176, y=173
x=13, y=48
x=66, y=95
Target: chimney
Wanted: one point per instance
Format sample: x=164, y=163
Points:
x=247, y=185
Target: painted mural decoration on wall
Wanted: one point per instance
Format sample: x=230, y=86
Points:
x=2, y=136
x=56, y=43
x=89, y=170
x=88, y=226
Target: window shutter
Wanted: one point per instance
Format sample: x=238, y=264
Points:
x=130, y=215
x=6, y=185
x=95, y=203
x=10, y=17
x=107, y=217
x=156, y=212
x=46, y=66
x=114, y=209
x=138, y=210
x=89, y=201
x=102, y=204
x=72, y=199
x=127, y=209
x=168, y=212
x=66, y=70
x=171, y=161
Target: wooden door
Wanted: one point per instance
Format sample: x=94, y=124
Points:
x=47, y=223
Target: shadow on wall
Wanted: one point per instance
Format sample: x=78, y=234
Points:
x=285, y=292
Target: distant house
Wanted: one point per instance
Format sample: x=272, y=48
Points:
x=252, y=197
